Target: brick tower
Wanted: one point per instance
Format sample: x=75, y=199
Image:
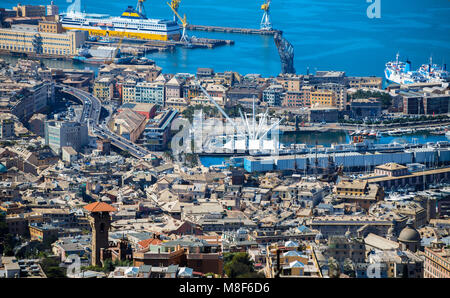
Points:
x=100, y=221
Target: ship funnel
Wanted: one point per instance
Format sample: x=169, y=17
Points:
x=408, y=65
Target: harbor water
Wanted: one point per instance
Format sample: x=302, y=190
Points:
x=326, y=35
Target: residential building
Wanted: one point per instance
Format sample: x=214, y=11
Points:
x=6, y=126
x=174, y=88
x=320, y=98
x=147, y=92
x=365, y=82
x=104, y=88
x=273, y=95
x=359, y=192
x=437, y=260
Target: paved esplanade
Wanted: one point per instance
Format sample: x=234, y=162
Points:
x=91, y=114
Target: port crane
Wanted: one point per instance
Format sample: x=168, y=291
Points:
x=114, y=54
x=140, y=8
x=174, y=4
x=184, y=38
x=266, y=24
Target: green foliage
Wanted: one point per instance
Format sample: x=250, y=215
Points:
x=51, y=268
x=334, y=270
x=239, y=265
x=191, y=159
x=108, y=266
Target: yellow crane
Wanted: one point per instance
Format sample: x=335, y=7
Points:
x=184, y=38
x=174, y=4
x=114, y=54
x=266, y=24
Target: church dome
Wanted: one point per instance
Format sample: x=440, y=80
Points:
x=409, y=234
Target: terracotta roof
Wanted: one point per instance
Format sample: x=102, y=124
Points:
x=146, y=243
x=99, y=207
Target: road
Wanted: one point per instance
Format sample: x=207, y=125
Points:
x=91, y=114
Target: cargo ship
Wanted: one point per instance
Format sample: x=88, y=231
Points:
x=133, y=23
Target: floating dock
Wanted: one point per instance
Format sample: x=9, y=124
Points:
x=232, y=30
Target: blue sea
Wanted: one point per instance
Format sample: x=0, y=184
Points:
x=326, y=35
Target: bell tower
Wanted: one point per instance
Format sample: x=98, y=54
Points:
x=100, y=222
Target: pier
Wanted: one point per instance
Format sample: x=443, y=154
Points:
x=232, y=30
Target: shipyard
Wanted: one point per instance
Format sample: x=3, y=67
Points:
x=127, y=149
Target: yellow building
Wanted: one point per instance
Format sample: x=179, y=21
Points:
x=42, y=232
x=104, y=88
x=128, y=91
x=359, y=192
x=204, y=101
x=178, y=103
x=28, y=39
x=50, y=27
x=322, y=98
x=290, y=82
x=365, y=82
x=30, y=11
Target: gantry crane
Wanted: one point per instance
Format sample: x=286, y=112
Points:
x=184, y=38
x=266, y=24
x=174, y=4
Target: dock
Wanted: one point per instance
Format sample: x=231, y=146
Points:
x=232, y=30
x=140, y=47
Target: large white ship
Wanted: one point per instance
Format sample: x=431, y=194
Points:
x=132, y=23
x=400, y=72
x=434, y=73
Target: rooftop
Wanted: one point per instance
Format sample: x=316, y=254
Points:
x=99, y=207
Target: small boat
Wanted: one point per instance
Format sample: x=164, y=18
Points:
x=373, y=133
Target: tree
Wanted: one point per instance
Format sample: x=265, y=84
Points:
x=349, y=268
x=51, y=268
x=334, y=269
x=239, y=265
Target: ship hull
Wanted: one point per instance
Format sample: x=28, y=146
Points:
x=129, y=34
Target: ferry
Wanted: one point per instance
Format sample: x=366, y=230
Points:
x=400, y=72
x=434, y=73
x=132, y=24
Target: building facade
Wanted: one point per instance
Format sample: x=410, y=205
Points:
x=59, y=134
x=28, y=39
